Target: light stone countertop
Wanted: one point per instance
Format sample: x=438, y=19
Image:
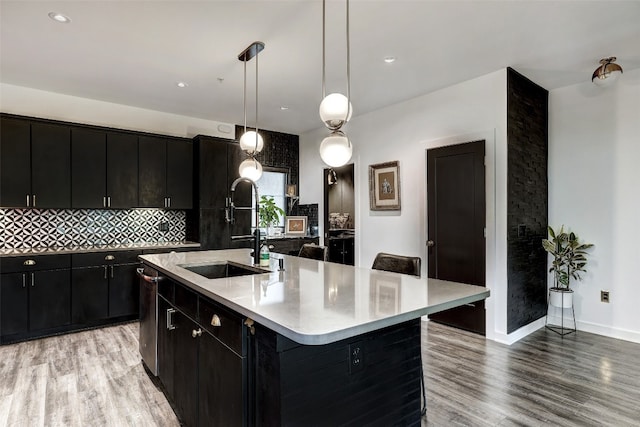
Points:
x=314, y=302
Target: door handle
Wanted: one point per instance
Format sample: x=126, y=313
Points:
x=105, y=271
x=170, y=325
x=111, y=271
x=430, y=243
x=33, y=279
x=24, y=280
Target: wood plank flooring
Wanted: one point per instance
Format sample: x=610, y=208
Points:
x=95, y=378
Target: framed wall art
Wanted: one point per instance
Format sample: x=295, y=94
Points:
x=296, y=225
x=384, y=186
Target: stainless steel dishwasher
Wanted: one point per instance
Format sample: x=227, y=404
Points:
x=148, y=340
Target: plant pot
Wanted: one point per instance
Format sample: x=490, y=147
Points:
x=561, y=297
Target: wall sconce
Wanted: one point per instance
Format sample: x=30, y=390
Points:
x=607, y=73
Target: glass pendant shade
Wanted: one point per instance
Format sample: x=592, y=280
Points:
x=336, y=149
x=335, y=110
x=251, y=142
x=250, y=168
x=607, y=73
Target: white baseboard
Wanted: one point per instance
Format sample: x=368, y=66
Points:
x=608, y=331
x=515, y=336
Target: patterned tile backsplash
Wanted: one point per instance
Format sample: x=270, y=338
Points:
x=36, y=228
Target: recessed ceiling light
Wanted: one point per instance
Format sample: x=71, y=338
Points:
x=182, y=84
x=59, y=17
x=389, y=59
x=284, y=108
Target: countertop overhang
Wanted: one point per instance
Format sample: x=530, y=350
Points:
x=313, y=302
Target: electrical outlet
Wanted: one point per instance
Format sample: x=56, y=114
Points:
x=163, y=226
x=356, y=361
x=604, y=296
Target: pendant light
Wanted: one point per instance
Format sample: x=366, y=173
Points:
x=607, y=73
x=251, y=141
x=335, y=109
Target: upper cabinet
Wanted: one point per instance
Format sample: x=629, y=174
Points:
x=36, y=160
x=104, y=169
x=165, y=173
x=15, y=163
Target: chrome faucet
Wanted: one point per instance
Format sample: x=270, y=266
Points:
x=229, y=217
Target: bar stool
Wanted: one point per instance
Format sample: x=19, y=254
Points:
x=313, y=251
x=405, y=265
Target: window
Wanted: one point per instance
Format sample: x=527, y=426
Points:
x=273, y=183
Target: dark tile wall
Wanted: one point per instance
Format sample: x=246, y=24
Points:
x=281, y=150
x=527, y=200
x=311, y=212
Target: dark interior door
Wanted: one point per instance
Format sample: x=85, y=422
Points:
x=456, y=221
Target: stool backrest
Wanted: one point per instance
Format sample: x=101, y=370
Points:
x=310, y=250
x=397, y=263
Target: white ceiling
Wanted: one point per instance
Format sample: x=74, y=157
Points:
x=134, y=52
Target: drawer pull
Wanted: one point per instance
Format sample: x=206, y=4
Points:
x=215, y=320
x=29, y=262
x=170, y=325
x=195, y=333
x=249, y=324
x=149, y=279
x=109, y=258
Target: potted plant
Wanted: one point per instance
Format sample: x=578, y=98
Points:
x=569, y=261
x=269, y=213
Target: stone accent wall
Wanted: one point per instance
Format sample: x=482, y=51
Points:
x=527, y=206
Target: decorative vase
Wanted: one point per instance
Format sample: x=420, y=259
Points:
x=561, y=297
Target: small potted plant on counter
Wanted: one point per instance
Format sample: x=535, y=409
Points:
x=569, y=261
x=269, y=213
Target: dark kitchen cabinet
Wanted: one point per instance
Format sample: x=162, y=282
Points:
x=216, y=162
x=341, y=250
x=165, y=173
x=50, y=166
x=36, y=164
x=90, y=292
x=104, y=285
x=104, y=169
x=199, y=367
x=15, y=162
x=35, y=296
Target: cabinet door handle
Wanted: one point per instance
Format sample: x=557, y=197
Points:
x=29, y=262
x=169, y=202
x=215, y=320
x=24, y=280
x=197, y=333
x=112, y=271
x=108, y=201
x=170, y=325
x=104, y=201
x=105, y=271
x=33, y=279
x=27, y=200
x=34, y=201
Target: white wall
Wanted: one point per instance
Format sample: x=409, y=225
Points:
x=49, y=105
x=594, y=171
x=403, y=132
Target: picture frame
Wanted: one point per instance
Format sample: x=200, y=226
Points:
x=384, y=186
x=295, y=225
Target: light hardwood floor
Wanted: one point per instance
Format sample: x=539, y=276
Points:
x=95, y=378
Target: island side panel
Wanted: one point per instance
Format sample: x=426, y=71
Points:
x=370, y=379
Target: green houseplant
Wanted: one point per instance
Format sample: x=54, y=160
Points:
x=569, y=261
x=269, y=213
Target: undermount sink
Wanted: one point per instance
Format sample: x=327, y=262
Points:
x=222, y=269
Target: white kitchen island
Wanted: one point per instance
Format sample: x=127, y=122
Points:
x=317, y=343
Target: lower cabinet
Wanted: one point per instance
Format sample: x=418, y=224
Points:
x=33, y=302
x=341, y=250
x=104, y=286
x=201, y=374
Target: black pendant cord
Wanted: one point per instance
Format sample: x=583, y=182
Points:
x=244, y=106
x=348, y=69
x=324, y=66
x=256, y=146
